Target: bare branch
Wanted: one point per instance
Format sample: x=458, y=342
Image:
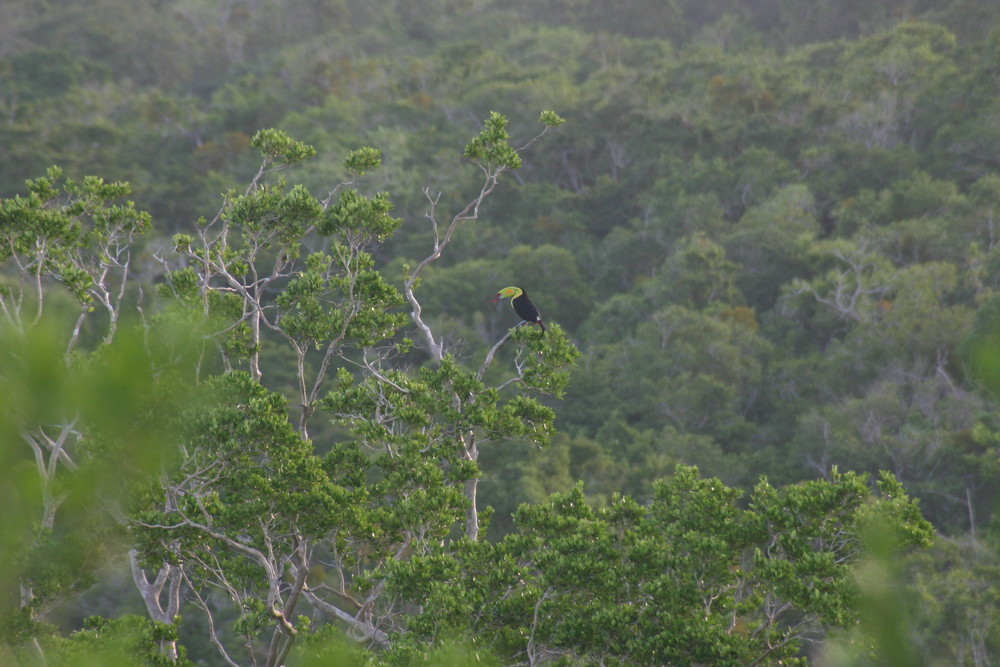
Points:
x=212, y=633
x=365, y=631
x=469, y=212
x=489, y=356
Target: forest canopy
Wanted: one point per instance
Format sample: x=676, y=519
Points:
x=258, y=406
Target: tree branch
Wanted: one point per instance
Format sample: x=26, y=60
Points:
x=489, y=355
x=367, y=631
x=212, y=633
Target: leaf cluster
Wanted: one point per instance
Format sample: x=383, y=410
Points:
x=694, y=577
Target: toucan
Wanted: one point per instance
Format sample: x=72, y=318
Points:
x=522, y=305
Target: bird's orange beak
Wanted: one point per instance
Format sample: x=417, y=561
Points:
x=496, y=298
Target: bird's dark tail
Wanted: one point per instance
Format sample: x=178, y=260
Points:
x=542, y=326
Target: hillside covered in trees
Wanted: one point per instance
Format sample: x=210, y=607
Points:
x=254, y=380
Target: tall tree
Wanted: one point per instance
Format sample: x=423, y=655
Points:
x=253, y=511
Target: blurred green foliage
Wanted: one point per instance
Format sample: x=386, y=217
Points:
x=58, y=528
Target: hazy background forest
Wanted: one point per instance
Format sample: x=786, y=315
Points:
x=772, y=229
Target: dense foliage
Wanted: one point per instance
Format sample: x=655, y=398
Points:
x=765, y=242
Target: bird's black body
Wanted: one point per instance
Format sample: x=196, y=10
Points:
x=523, y=307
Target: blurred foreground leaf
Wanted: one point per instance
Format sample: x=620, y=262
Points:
x=75, y=440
